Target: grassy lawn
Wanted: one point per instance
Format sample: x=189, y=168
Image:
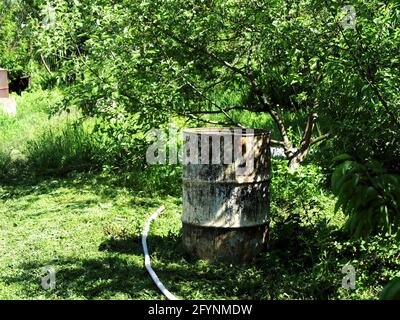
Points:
x=104, y=91
x=88, y=229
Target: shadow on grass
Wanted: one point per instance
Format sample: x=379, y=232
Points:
x=295, y=269
x=98, y=278
x=164, y=247
x=300, y=262
x=152, y=181
x=88, y=181
x=294, y=265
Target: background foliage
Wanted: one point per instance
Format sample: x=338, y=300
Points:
x=103, y=73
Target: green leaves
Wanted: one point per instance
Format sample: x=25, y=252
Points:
x=157, y=59
x=368, y=194
x=391, y=291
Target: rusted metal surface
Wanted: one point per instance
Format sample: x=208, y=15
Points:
x=225, y=209
x=4, y=90
x=7, y=104
x=4, y=93
x=229, y=245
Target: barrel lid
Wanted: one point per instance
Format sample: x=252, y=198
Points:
x=234, y=131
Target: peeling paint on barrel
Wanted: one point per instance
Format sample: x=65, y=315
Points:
x=225, y=215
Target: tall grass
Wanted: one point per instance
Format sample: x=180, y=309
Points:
x=66, y=144
x=36, y=142
x=32, y=113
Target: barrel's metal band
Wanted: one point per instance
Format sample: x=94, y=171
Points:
x=212, y=224
x=192, y=181
x=4, y=88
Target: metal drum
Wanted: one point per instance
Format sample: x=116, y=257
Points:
x=226, y=180
x=4, y=91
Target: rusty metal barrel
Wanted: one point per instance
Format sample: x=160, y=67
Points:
x=226, y=180
x=4, y=90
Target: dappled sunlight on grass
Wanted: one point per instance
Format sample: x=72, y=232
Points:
x=89, y=230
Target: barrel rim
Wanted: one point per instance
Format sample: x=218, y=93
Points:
x=226, y=130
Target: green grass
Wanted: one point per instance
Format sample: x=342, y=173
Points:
x=39, y=142
x=88, y=227
x=65, y=144
x=32, y=114
x=87, y=230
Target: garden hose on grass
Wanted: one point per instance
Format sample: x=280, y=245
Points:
x=147, y=264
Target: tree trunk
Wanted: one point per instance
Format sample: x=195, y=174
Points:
x=297, y=159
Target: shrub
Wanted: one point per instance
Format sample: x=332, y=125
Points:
x=368, y=194
x=298, y=190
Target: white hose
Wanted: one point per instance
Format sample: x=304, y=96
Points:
x=147, y=264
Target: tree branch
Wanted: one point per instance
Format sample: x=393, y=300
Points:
x=217, y=111
x=209, y=53
x=193, y=117
x=305, y=143
x=320, y=138
x=306, y=140
x=45, y=64
x=222, y=110
x=275, y=116
x=277, y=143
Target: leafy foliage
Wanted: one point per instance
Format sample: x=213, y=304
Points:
x=368, y=194
x=153, y=60
x=391, y=291
x=307, y=183
x=129, y=66
x=14, y=43
x=359, y=95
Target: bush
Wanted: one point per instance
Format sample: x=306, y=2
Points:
x=391, y=290
x=120, y=139
x=298, y=190
x=306, y=229
x=368, y=194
